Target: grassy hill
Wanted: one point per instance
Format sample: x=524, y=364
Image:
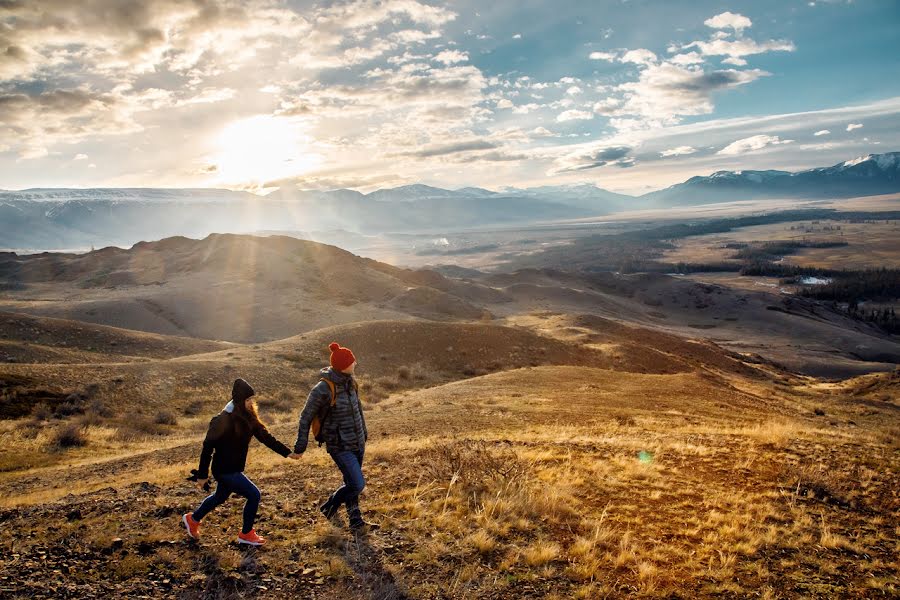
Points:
x=548, y=481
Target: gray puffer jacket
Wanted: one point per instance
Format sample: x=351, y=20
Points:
x=344, y=427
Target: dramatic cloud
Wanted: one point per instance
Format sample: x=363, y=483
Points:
x=243, y=93
x=853, y=126
x=679, y=151
x=751, y=144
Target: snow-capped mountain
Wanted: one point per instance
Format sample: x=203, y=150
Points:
x=864, y=176
x=70, y=218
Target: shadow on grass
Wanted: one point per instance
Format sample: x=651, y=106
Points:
x=366, y=562
x=220, y=584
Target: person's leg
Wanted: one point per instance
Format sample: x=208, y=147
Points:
x=221, y=494
x=350, y=464
x=353, y=511
x=242, y=486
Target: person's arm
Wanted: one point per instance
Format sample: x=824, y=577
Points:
x=263, y=435
x=215, y=431
x=362, y=415
x=318, y=399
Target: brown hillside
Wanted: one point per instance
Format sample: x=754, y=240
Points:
x=29, y=339
x=230, y=287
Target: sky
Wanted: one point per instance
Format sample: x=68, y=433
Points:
x=630, y=95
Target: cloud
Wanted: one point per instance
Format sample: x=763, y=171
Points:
x=80, y=157
x=37, y=122
x=593, y=157
x=574, y=115
x=821, y=132
x=752, y=144
x=665, y=92
x=493, y=156
x=449, y=57
x=640, y=56
x=524, y=109
x=738, y=48
x=573, y=90
x=853, y=126
x=728, y=20
x=608, y=106
x=679, y=151
x=607, y=56
x=540, y=132
x=689, y=58
x=517, y=36
x=452, y=148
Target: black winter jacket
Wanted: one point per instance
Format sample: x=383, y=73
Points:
x=228, y=438
x=345, y=425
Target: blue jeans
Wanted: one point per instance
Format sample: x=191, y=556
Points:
x=227, y=484
x=350, y=463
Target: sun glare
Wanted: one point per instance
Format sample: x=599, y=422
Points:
x=260, y=149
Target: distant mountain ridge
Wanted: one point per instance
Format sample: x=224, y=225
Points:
x=58, y=218
x=864, y=176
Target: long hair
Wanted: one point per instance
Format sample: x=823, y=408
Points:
x=246, y=410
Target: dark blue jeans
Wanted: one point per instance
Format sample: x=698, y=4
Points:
x=350, y=463
x=227, y=484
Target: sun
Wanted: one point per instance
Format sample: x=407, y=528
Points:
x=260, y=149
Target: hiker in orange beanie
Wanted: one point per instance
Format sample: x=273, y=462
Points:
x=334, y=413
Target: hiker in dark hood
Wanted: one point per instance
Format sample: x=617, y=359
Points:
x=226, y=444
x=335, y=414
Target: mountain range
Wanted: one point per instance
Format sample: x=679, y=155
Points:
x=864, y=176
x=60, y=218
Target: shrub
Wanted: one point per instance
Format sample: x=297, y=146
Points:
x=404, y=372
x=194, y=408
x=70, y=436
x=165, y=417
x=473, y=464
x=41, y=412
x=283, y=401
x=69, y=408
x=90, y=418
x=98, y=408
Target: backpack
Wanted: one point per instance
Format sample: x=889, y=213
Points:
x=317, y=421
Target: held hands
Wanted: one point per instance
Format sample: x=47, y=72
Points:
x=202, y=484
x=294, y=456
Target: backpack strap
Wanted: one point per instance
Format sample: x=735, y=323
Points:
x=332, y=389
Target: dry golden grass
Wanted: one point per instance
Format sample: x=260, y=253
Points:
x=553, y=481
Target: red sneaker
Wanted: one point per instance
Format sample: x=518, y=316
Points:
x=192, y=526
x=251, y=538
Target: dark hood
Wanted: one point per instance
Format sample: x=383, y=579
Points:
x=241, y=390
